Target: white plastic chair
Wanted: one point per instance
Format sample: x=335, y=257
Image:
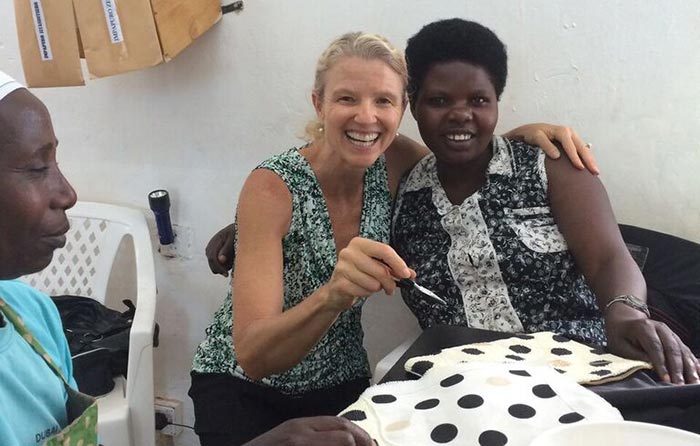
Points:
x=387, y=362
x=126, y=415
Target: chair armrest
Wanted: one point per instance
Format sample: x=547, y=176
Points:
x=139, y=383
x=143, y=325
x=387, y=362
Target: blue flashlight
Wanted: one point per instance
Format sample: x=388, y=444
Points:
x=159, y=201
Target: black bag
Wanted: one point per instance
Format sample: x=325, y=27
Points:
x=98, y=338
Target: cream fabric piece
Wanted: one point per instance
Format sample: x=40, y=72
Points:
x=487, y=404
x=576, y=361
x=8, y=85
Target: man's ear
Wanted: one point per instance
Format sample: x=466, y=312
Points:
x=317, y=100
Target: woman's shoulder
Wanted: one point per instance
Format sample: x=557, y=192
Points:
x=22, y=298
x=264, y=188
x=520, y=148
x=290, y=166
x=37, y=310
x=421, y=176
x=266, y=199
x=286, y=160
x=516, y=157
x=40, y=317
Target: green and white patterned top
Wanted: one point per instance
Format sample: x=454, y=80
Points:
x=309, y=260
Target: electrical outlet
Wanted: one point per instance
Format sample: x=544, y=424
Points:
x=172, y=410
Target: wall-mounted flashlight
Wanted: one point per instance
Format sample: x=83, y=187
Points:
x=159, y=201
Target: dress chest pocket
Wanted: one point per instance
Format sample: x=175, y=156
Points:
x=536, y=229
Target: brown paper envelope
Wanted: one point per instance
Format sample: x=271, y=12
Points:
x=117, y=35
x=48, y=43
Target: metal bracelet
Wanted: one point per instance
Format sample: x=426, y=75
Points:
x=630, y=301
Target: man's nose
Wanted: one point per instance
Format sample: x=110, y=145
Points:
x=64, y=196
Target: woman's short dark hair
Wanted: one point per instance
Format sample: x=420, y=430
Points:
x=455, y=40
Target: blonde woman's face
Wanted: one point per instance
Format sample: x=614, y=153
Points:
x=361, y=109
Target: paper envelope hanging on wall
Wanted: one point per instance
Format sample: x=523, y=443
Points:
x=117, y=36
x=48, y=43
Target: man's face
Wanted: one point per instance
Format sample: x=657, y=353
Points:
x=34, y=195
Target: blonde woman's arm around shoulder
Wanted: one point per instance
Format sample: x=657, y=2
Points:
x=545, y=135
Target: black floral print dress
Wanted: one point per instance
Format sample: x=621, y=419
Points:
x=309, y=259
x=498, y=258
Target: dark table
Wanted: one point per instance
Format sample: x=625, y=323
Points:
x=639, y=397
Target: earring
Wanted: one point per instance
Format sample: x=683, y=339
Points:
x=320, y=128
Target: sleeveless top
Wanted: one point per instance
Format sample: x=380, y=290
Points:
x=309, y=259
x=498, y=258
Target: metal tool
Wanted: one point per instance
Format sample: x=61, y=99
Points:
x=408, y=284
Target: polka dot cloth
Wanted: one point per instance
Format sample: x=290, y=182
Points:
x=584, y=364
x=483, y=404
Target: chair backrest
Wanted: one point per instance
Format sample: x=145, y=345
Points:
x=83, y=266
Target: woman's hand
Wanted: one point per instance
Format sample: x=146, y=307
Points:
x=220, y=251
x=542, y=135
x=314, y=431
x=635, y=336
x=364, y=267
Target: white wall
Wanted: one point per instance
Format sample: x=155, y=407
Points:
x=623, y=73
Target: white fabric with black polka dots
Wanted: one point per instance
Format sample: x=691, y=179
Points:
x=482, y=404
x=579, y=362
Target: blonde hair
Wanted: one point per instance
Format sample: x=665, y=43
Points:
x=367, y=46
